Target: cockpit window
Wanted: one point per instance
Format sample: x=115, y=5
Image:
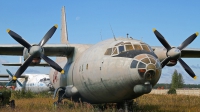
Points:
x=114, y=51
x=137, y=47
x=152, y=60
x=145, y=60
x=121, y=49
x=129, y=47
x=145, y=48
x=134, y=64
x=121, y=43
x=108, y=51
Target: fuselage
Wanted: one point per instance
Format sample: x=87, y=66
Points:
x=35, y=83
x=110, y=71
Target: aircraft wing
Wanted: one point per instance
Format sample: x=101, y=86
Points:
x=19, y=64
x=185, y=53
x=49, y=49
x=4, y=76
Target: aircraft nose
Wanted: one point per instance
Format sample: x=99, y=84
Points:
x=148, y=66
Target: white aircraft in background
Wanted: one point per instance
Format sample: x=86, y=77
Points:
x=116, y=70
x=30, y=82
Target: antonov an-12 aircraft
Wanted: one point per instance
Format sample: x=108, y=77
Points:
x=29, y=82
x=116, y=70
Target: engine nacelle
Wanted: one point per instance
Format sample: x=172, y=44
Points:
x=162, y=54
x=36, y=60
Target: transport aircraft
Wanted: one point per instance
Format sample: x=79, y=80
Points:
x=116, y=70
x=29, y=82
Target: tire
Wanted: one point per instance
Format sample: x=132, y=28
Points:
x=12, y=104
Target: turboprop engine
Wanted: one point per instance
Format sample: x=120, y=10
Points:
x=173, y=54
x=162, y=54
x=34, y=53
x=36, y=59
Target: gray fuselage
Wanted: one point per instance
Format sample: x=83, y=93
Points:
x=110, y=70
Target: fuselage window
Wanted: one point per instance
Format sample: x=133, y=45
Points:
x=129, y=47
x=145, y=48
x=115, y=51
x=87, y=66
x=137, y=47
x=121, y=49
x=108, y=51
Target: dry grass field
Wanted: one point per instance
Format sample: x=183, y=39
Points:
x=145, y=103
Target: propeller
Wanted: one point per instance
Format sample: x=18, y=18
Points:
x=175, y=53
x=35, y=51
x=12, y=81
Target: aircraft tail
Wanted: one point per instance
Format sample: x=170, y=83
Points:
x=64, y=33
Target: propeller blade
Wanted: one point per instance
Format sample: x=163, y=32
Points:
x=19, y=83
x=18, y=38
x=8, y=83
x=165, y=61
x=48, y=35
x=9, y=73
x=188, y=41
x=187, y=68
x=52, y=63
x=23, y=67
x=162, y=40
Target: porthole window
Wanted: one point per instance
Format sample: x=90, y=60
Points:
x=87, y=66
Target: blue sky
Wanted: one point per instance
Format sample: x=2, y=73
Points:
x=89, y=19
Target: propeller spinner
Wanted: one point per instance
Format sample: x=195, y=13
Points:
x=35, y=51
x=12, y=81
x=175, y=53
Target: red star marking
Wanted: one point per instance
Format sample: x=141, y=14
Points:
x=55, y=79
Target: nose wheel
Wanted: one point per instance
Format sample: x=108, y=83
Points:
x=126, y=106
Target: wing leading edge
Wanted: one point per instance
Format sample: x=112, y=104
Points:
x=185, y=53
x=59, y=50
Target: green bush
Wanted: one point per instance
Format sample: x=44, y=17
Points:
x=22, y=94
x=172, y=91
x=29, y=94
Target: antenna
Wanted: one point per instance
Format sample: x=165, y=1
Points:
x=141, y=38
x=101, y=36
x=113, y=33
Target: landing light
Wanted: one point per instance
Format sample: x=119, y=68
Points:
x=142, y=70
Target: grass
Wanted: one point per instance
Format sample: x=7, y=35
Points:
x=147, y=103
x=168, y=103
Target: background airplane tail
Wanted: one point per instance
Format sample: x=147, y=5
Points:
x=64, y=33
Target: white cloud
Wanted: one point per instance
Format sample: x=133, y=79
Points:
x=3, y=61
x=77, y=18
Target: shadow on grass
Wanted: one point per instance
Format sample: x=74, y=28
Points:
x=148, y=108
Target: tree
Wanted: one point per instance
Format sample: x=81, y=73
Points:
x=174, y=82
x=180, y=81
x=177, y=80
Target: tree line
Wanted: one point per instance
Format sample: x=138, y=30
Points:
x=177, y=81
